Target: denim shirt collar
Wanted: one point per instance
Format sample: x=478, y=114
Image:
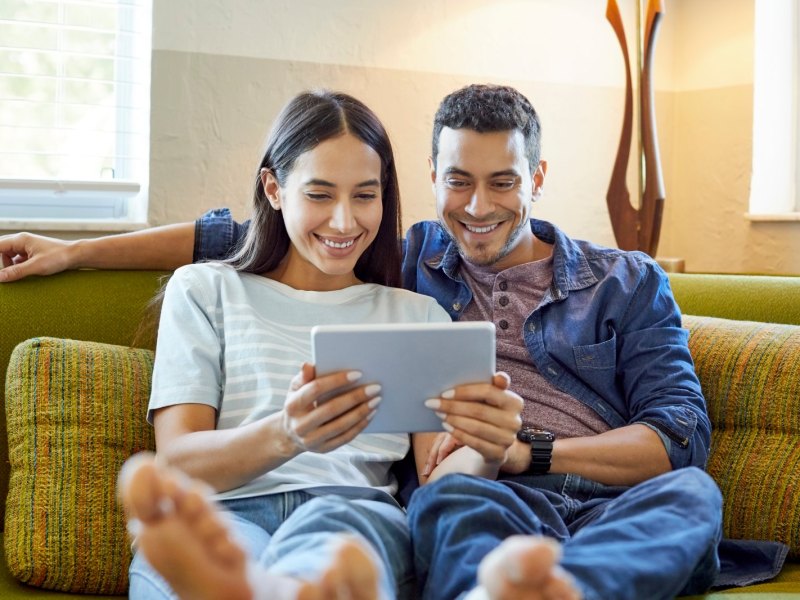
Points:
x=571, y=269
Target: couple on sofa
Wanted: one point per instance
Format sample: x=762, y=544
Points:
x=575, y=473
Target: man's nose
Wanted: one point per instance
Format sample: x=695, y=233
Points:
x=479, y=203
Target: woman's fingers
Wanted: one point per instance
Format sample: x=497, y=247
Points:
x=322, y=411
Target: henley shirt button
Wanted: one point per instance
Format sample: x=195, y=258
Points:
x=503, y=324
x=456, y=306
x=503, y=286
x=503, y=300
x=531, y=327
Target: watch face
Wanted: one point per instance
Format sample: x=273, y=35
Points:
x=528, y=434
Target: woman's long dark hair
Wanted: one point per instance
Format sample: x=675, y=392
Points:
x=305, y=122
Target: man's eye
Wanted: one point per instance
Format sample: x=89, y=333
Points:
x=456, y=183
x=504, y=184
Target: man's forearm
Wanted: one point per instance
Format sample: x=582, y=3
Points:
x=167, y=247
x=624, y=456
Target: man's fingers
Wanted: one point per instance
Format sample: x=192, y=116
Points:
x=449, y=445
x=15, y=272
x=488, y=432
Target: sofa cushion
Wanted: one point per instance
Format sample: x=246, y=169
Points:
x=750, y=375
x=75, y=411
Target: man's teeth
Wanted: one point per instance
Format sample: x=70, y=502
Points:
x=333, y=244
x=475, y=229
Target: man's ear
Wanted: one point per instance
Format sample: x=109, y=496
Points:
x=272, y=190
x=432, y=168
x=538, y=180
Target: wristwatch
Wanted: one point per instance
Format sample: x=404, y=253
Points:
x=541, y=442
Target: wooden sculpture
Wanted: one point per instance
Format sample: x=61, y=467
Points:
x=637, y=228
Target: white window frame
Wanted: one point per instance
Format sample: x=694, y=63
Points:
x=775, y=183
x=118, y=204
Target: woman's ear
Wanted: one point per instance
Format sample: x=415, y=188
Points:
x=272, y=190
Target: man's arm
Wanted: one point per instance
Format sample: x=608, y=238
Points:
x=212, y=237
x=167, y=248
x=624, y=456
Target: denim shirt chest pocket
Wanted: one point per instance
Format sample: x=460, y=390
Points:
x=597, y=364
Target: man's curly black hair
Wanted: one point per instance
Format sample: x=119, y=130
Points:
x=487, y=108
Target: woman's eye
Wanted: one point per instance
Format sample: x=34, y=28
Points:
x=366, y=197
x=316, y=197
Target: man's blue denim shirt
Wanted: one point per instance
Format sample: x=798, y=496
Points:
x=608, y=332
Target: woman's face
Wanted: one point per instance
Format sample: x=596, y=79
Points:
x=332, y=208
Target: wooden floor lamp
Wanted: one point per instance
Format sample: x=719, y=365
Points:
x=638, y=228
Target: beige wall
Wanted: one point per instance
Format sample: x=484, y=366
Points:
x=222, y=69
x=708, y=116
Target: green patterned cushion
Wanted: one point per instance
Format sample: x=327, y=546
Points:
x=75, y=411
x=750, y=374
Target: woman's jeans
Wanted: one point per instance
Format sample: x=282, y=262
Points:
x=289, y=533
x=655, y=540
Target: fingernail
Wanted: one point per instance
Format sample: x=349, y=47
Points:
x=370, y=415
x=354, y=375
x=374, y=402
x=372, y=389
x=433, y=403
x=448, y=394
x=447, y=427
x=441, y=415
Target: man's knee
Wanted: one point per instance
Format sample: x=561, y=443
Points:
x=697, y=489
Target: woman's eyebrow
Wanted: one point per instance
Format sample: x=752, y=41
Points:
x=330, y=184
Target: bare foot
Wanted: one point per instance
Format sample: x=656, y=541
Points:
x=353, y=573
x=185, y=538
x=524, y=568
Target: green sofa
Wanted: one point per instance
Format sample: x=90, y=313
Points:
x=106, y=307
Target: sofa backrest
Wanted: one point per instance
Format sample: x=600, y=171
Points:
x=100, y=306
x=767, y=298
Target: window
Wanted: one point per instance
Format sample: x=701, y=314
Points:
x=74, y=112
x=775, y=184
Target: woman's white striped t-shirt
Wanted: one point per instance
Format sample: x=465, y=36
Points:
x=234, y=341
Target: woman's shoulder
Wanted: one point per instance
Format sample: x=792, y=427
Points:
x=417, y=307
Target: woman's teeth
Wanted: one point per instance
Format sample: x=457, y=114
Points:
x=333, y=244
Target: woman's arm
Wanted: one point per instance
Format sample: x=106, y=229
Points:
x=228, y=458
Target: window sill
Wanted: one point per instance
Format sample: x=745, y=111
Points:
x=111, y=226
x=778, y=217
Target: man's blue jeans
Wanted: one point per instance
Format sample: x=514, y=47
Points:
x=288, y=534
x=655, y=540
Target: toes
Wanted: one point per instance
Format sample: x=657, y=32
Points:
x=139, y=488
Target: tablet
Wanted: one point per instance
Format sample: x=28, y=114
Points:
x=411, y=361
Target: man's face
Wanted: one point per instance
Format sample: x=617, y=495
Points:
x=484, y=188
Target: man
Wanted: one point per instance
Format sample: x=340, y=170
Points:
x=608, y=462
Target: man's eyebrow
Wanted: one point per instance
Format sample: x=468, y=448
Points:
x=456, y=171
x=506, y=173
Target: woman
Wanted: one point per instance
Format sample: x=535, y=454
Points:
x=228, y=404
